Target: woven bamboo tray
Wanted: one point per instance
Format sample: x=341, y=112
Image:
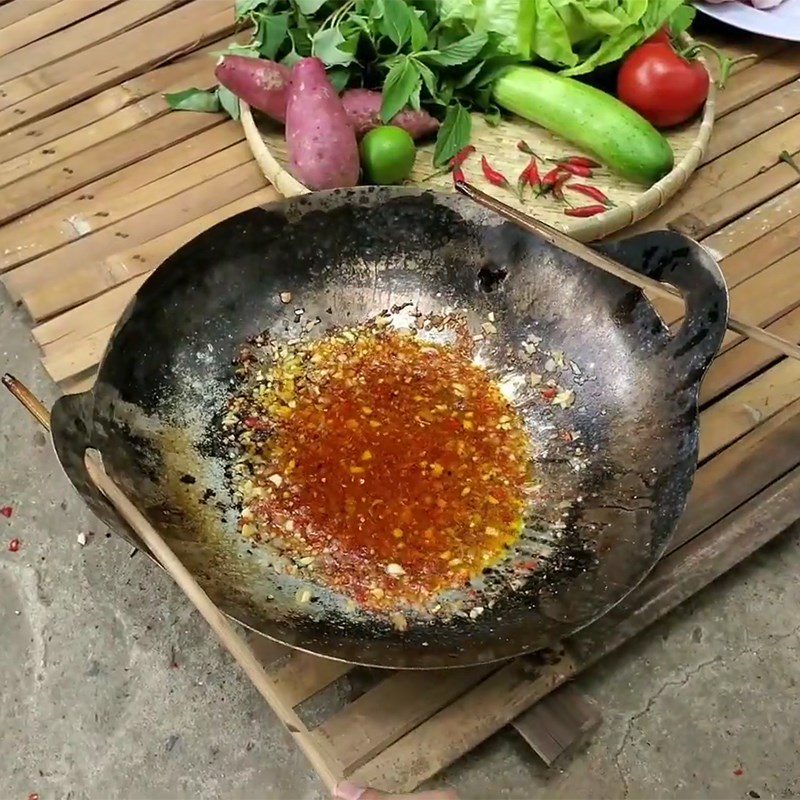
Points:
x=499, y=145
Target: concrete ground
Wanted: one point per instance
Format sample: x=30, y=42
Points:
x=705, y=704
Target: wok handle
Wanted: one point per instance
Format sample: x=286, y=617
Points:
x=679, y=261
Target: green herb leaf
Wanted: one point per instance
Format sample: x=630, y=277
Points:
x=236, y=49
x=309, y=7
x=419, y=35
x=396, y=22
x=271, y=34
x=339, y=78
x=453, y=135
x=243, y=8
x=229, y=101
x=492, y=116
x=428, y=78
x=326, y=45
x=193, y=100
x=682, y=17
x=401, y=83
x=459, y=52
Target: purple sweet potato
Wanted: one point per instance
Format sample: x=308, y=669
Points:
x=323, y=152
x=363, y=109
x=261, y=84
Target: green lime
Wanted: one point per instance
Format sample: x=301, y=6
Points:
x=387, y=155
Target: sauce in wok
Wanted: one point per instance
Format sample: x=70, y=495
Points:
x=388, y=467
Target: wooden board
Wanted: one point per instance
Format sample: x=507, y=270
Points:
x=100, y=183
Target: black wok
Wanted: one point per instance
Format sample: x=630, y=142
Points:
x=154, y=412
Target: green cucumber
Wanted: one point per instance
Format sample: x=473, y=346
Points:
x=593, y=120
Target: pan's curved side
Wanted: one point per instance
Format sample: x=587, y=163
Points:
x=71, y=425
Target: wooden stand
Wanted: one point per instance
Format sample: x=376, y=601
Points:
x=100, y=183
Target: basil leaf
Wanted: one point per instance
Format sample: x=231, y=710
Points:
x=453, y=135
x=459, y=52
x=309, y=7
x=271, y=34
x=413, y=100
x=229, y=101
x=339, y=78
x=325, y=45
x=419, y=35
x=401, y=82
x=396, y=21
x=243, y=8
x=428, y=78
x=468, y=77
x=193, y=100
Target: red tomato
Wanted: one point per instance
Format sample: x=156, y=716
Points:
x=661, y=85
x=661, y=35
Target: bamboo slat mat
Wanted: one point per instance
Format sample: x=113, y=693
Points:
x=99, y=183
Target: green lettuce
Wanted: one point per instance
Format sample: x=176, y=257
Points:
x=576, y=36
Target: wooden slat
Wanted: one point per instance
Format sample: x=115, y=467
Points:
x=13, y=12
x=117, y=19
x=743, y=409
x=377, y=719
x=107, y=157
x=196, y=69
x=757, y=226
x=716, y=211
x=558, y=722
x=33, y=96
x=746, y=358
x=762, y=78
x=18, y=240
x=303, y=675
x=743, y=470
x=99, y=215
x=753, y=119
x=49, y=20
x=60, y=287
x=462, y=725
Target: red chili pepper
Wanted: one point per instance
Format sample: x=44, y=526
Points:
x=549, y=179
x=590, y=191
x=461, y=156
x=549, y=393
x=585, y=211
x=458, y=175
x=558, y=186
x=6, y=511
x=525, y=148
x=492, y=175
x=533, y=177
x=13, y=546
x=580, y=170
x=580, y=161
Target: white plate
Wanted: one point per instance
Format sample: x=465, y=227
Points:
x=781, y=22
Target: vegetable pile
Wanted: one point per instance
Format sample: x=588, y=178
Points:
x=335, y=71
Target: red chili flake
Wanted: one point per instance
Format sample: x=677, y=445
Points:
x=585, y=211
x=255, y=424
x=549, y=393
x=6, y=511
x=738, y=772
x=14, y=545
x=590, y=191
x=492, y=175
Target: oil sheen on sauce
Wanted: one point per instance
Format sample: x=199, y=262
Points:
x=390, y=468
